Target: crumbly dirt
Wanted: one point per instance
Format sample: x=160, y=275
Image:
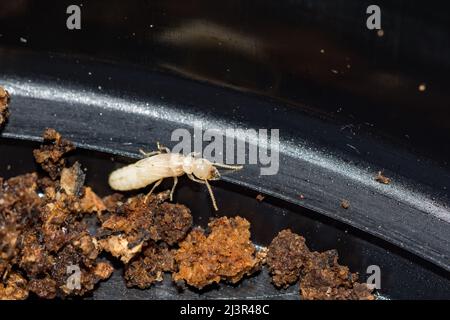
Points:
x=112, y=202
x=72, y=180
x=44, y=288
x=150, y=266
x=225, y=253
x=42, y=231
x=320, y=275
x=14, y=287
x=325, y=279
x=286, y=257
x=4, y=101
x=51, y=154
x=381, y=178
x=142, y=219
x=19, y=203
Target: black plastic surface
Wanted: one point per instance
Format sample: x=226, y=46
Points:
x=403, y=276
x=273, y=48
x=344, y=113
x=119, y=109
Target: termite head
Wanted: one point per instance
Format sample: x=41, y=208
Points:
x=204, y=170
x=201, y=168
x=214, y=174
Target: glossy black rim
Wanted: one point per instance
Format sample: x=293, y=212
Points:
x=123, y=108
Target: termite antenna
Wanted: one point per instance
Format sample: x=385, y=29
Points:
x=149, y=154
x=227, y=166
x=162, y=148
x=211, y=194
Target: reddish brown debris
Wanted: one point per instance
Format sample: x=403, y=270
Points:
x=150, y=266
x=113, y=202
x=44, y=288
x=90, y=273
x=286, y=257
x=72, y=180
x=321, y=277
x=34, y=257
x=172, y=222
x=91, y=202
x=325, y=279
x=51, y=154
x=13, y=287
x=19, y=205
x=345, y=204
x=381, y=178
x=42, y=235
x=141, y=219
x=226, y=253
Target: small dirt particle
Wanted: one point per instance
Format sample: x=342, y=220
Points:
x=381, y=178
x=260, y=197
x=345, y=204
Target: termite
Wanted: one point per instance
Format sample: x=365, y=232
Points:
x=162, y=164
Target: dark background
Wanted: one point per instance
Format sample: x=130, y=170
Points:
x=319, y=74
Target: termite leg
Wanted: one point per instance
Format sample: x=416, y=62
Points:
x=149, y=154
x=227, y=166
x=161, y=148
x=190, y=176
x=211, y=194
x=175, y=181
x=157, y=183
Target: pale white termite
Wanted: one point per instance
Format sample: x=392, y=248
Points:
x=158, y=165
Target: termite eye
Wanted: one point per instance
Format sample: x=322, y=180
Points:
x=214, y=174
